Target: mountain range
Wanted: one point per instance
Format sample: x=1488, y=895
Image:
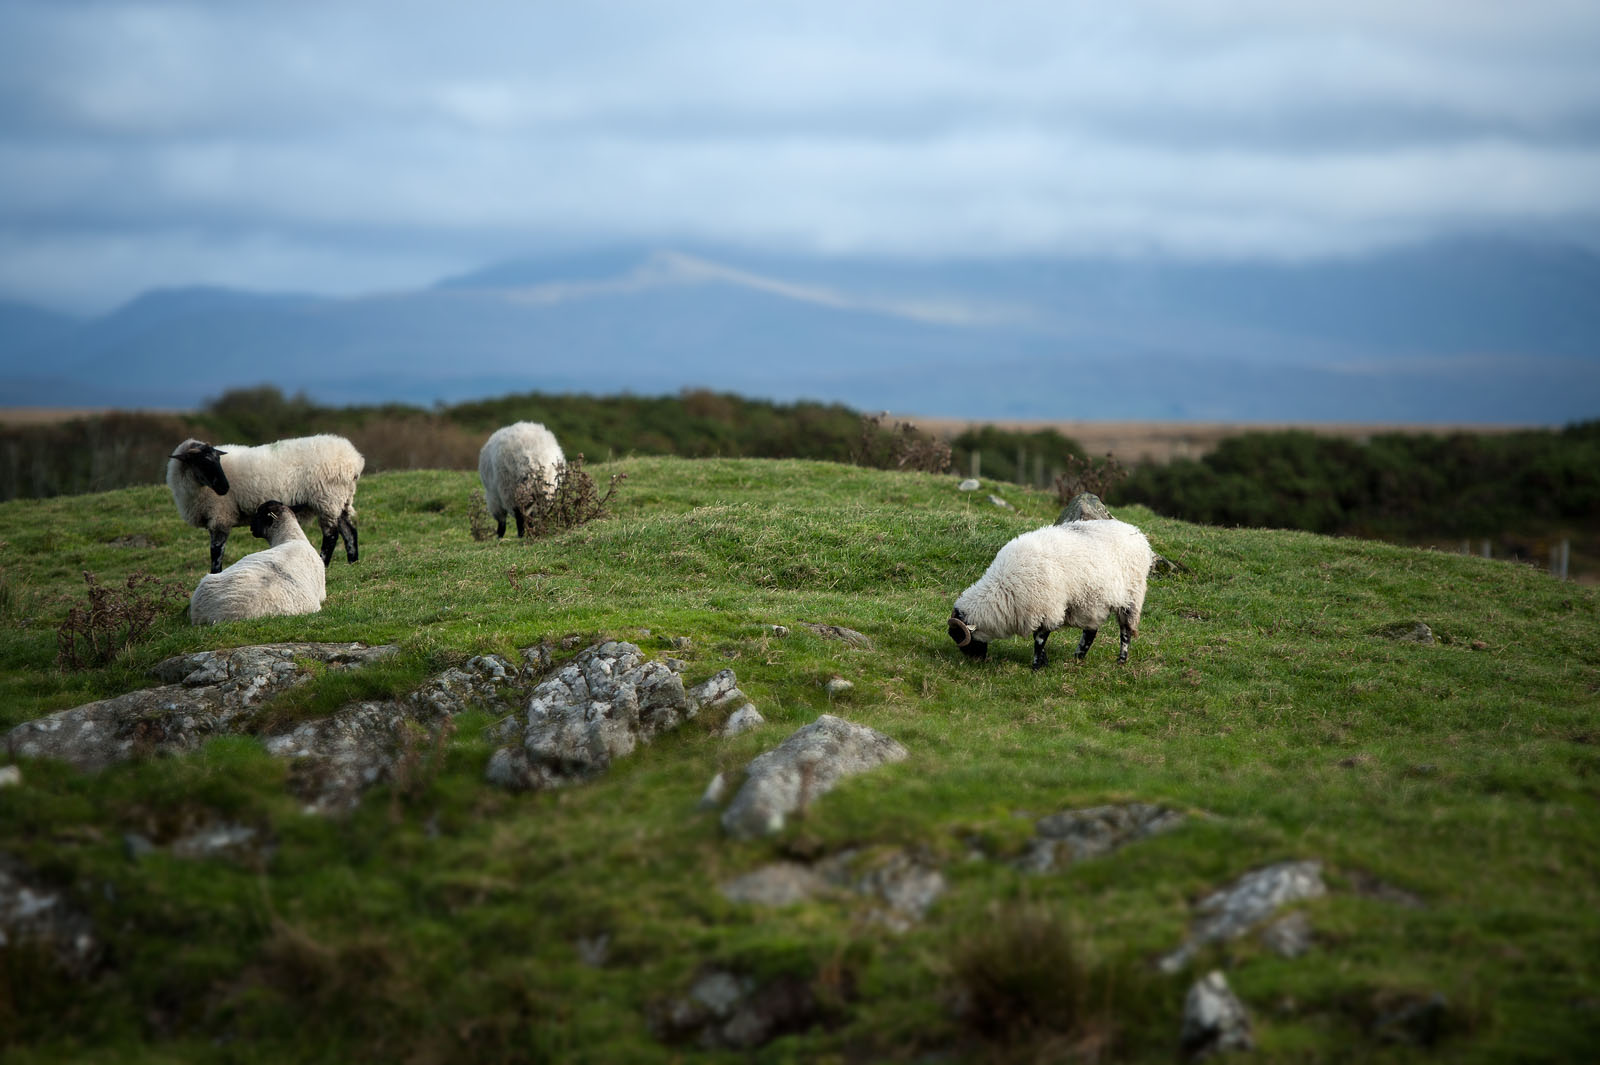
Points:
x=1479, y=330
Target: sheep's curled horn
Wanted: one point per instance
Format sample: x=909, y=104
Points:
x=960, y=631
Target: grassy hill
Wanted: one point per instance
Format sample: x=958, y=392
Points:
x=440, y=921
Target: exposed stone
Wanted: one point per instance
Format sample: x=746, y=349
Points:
x=1231, y=912
x=1416, y=1019
x=1289, y=936
x=727, y=1011
x=1085, y=506
x=837, y=686
x=220, y=838
x=1408, y=632
x=906, y=883
x=1073, y=835
x=777, y=884
x=1001, y=503
x=720, y=691
x=1214, y=1020
x=204, y=694
x=680, y=643
x=715, y=792
x=971, y=484
x=742, y=720
x=31, y=912
x=677, y=665
x=839, y=632
x=804, y=767
x=597, y=708
x=779, y=631
x=10, y=776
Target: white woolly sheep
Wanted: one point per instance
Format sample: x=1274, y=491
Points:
x=218, y=488
x=1072, y=575
x=286, y=578
x=512, y=455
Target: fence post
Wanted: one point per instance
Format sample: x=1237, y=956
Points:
x=1022, y=464
x=977, y=457
x=1485, y=548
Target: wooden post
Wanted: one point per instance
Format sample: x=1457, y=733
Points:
x=1022, y=465
x=977, y=462
x=1486, y=553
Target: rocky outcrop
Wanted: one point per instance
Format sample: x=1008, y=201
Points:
x=899, y=884
x=32, y=912
x=203, y=694
x=596, y=709
x=806, y=766
x=1214, y=1020
x=1073, y=835
x=1233, y=911
x=727, y=1010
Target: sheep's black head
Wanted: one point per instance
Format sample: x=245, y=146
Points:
x=266, y=516
x=964, y=637
x=205, y=462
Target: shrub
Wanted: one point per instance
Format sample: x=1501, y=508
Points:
x=113, y=618
x=575, y=501
x=478, y=516
x=1085, y=474
x=900, y=446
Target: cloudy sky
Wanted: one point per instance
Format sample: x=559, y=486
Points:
x=345, y=146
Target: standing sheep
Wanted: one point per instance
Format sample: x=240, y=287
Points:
x=1076, y=575
x=286, y=578
x=513, y=455
x=218, y=488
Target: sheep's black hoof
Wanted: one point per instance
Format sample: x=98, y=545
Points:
x=1038, y=664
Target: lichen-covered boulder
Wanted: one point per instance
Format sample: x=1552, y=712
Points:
x=807, y=765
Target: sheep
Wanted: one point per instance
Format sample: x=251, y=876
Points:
x=218, y=488
x=513, y=455
x=286, y=578
x=1076, y=575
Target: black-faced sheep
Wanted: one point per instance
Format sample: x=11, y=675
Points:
x=287, y=578
x=513, y=455
x=1076, y=575
x=219, y=488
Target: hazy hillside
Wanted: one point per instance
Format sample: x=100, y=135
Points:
x=1464, y=331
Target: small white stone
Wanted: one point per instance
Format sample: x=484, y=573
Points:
x=838, y=686
x=778, y=630
x=997, y=501
x=10, y=776
x=716, y=791
x=969, y=485
x=743, y=719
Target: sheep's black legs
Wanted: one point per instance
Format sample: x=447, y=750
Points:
x=1127, y=636
x=1040, y=635
x=522, y=523
x=219, y=540
x=330, y=539
x=347, y=529
x=1088, y=639
x=500, y=528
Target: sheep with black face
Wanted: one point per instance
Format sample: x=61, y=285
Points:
x=218, y=488
x=1075, y=575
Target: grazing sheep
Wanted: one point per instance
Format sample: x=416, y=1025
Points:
x=286, y=578
x=513, y=455
x=1077, y=575
x=218, y=488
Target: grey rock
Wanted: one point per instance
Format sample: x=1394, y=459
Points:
x=677, y=665
x=1408, y=632
x=904, y=882
x=136, y=846
x=594, y=950
x=1233, y=911
x=720, y=691
x=597, y=708
x=727, y=1011
x=10, y=776
x=1161, y=565
x=971, y=484
x=1001, y=503
x=208, y=842
x=204, y=694
x=33, y=912
x=681, y=643
x=839, y=632
x=837, y=686
x=1085, y=506
x=804, y=767
x=779, y=631
x=777, y=884
x=715, y=792
x=1289, y=936
x=1214, y=1020
x=1074, y=835
x=742, y=720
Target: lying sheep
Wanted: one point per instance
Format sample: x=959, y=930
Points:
x=286, y=578
x=513, y=455
x=218, y=488
x=1077, y=575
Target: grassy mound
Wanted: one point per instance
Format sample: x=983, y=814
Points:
x=1449, y=789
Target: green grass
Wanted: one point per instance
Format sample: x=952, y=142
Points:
x=439, y=922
